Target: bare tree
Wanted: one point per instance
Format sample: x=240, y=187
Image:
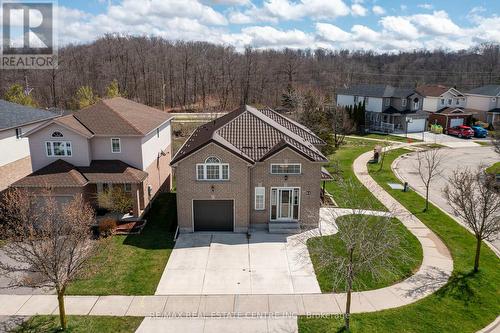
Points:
x=368, y=247
x=48, y=243
x=474, y=199
x=341, y=124
x=429, y=166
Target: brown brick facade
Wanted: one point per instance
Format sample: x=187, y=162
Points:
x=243, y=178
x=14, y=171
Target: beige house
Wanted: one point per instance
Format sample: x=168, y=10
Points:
x=115, y=142
x=15, y=120
x=249, y=168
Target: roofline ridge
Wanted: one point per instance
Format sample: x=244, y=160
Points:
x=78, y=120
x=119, y=115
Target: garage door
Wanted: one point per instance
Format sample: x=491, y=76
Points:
x=456, y=122
x=213, y=215
x=417, y=125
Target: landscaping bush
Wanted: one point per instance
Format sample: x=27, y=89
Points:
x=107, y=226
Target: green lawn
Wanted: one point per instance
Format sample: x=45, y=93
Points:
x=467, y=303
x=494, y=169
x=80, y=324
x=132, y=265
x=388, y=137
x=410, y=248
x=340, y=166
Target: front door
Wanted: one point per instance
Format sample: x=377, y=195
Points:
x=285, y=204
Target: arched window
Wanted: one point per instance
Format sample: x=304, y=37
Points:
x=212, y=160
x=57, y=134
x=212, y=169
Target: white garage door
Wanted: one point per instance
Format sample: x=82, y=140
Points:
x=456, y=122
x=417, y=125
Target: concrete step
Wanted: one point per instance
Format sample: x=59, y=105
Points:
x=284, y=227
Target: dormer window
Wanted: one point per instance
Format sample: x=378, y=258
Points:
x=212, y=169
x=57, y=134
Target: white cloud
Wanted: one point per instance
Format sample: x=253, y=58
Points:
x=269, y=37
x=358, y=10
x=425, y=6
x=399, y=26
x=437, y=23
x=332, y=33
x=377, y=10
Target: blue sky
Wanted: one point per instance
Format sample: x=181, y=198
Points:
x=379, y=25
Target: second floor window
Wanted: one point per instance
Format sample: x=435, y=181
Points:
x=116, y=145
x=286, y=169
x=387, y=101
x=212, y=169
x=58, y=148
x=403, y=102
x=19, y=133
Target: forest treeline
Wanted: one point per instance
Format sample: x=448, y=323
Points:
x=202, y=76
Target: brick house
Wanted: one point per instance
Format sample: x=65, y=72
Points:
x=115, y=142
x=249, y=168
x=15, y=120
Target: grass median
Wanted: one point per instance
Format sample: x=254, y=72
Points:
x=467, y=303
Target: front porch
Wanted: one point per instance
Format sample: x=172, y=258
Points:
x=385, y=122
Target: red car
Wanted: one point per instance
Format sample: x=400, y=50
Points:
x=461, y=131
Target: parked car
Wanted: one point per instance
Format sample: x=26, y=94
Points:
x=461, y=131
x=479, y=132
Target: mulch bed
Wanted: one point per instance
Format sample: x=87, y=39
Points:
x=130, y=228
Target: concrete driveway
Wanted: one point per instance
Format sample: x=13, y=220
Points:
x=470, y=157
x=444, y=139
x=229, y=263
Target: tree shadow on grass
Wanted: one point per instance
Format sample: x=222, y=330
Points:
x=459, y=287
x=161, y=224
x=34, y=325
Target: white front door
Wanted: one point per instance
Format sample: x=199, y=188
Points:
x=285, y=204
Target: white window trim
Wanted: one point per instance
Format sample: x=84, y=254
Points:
x=285, y=173
x=387, y=102
x=262, y=193
x=271, y=200
x=52, y=149
x=204, y=165
x=404, y=102
x=119, y=146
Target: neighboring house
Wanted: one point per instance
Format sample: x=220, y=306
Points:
x=249, y=168
x=388, y=108
x=15, y=120
x=445, y=105
x=115, y=142
x=485, y=101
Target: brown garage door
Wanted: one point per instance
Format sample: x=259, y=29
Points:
x=213, y=215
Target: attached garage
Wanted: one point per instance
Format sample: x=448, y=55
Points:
x=416, y=125
x=456, y=122
x=213, y=215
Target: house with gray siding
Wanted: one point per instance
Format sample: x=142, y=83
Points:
x=387, y=108
x=251, y=168
x=115, y=142
x=485, y=101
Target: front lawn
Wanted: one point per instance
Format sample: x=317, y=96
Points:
x=133, y=264
x=410, y=250
x=388, y=137
x=467, y=303
x=340, y=166
x=494, y=169
x=80, y=324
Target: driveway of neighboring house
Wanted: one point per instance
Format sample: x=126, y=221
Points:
x=470, y=157
x=231, y=263
x=444, y=139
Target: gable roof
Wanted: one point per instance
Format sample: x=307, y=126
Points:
x=453, y=110
x=121, y=116
x=253, y=135
x=487, y=90
x=435, y=90
x=376, y=90
x=15, y=115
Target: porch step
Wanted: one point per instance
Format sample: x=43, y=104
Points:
x=284, y=227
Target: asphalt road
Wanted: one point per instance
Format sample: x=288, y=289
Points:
x=470, y=157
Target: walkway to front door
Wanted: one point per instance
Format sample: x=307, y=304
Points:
x=229, y=263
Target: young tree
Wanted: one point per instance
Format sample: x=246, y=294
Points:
x=474, y=199
x=47, y=240
x=340, y=122
x=16, y=94
x=85, y=97
x=113, y=90
x=429, y=166
x=369, y=246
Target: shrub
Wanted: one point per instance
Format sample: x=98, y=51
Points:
x=107, y=226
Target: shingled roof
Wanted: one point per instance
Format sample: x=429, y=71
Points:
x=376, y=90
x=434, y=90
x=121, y=116
x=254, y=135
x=64, y=174
x=15, y=115
x=488, y=90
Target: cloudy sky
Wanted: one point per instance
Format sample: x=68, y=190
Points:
x=379, y=25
